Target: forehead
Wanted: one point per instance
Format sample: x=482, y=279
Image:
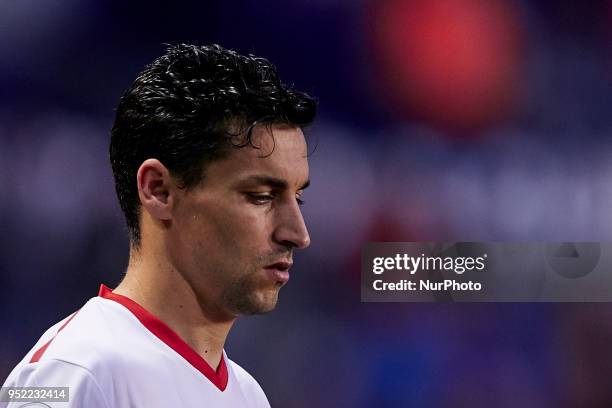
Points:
x=276, y=151
x=285, y=141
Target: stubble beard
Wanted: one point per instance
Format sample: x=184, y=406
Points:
x=243, y=297
x=247, y=295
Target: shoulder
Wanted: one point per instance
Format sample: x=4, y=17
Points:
x=250, y=387
x=82, y=386
x=97, y=338
x=86, y=338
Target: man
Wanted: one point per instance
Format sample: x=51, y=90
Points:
x=210, y=164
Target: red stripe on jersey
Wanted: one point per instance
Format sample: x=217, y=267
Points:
x=38, y=354
x=218, y=377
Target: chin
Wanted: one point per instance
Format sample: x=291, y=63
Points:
x=261, y=304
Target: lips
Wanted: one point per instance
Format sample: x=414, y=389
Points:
x=279, y=271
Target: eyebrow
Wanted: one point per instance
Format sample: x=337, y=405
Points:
x=273, y=182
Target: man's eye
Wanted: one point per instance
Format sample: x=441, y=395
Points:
x=299, y=201
x=260, y=199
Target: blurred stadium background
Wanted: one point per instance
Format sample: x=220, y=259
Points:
x=439, y=120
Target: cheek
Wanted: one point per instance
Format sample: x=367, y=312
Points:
x=233, y=229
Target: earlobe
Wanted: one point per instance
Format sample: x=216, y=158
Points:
x=153, y=180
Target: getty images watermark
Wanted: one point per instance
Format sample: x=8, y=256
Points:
x=487, y=272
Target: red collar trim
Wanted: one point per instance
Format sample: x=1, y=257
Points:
x=167, y=335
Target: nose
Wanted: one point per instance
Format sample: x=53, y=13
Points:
x=291, y=229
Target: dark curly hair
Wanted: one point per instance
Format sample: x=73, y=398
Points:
x=183, y=110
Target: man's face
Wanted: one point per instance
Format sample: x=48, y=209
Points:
x=233, y=236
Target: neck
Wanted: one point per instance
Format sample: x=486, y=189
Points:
x=158, y=287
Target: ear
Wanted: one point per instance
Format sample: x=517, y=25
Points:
x=155, y=189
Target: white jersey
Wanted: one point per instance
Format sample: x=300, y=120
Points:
x=112, y=353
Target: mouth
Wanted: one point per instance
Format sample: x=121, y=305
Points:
x=279, y=271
